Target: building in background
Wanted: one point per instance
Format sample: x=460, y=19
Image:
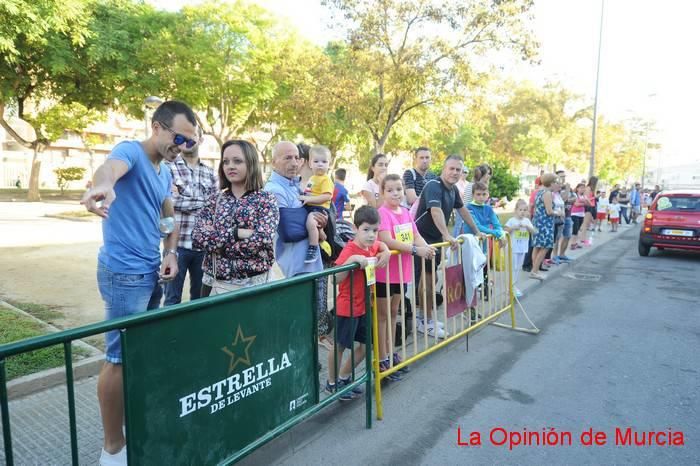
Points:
x=685, y=176
x=72, y=151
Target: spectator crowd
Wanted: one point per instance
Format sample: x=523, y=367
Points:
x=228, y=228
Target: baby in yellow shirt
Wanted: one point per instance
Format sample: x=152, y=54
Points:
x=317, y=196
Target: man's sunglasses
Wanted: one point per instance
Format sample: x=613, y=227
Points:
x=179, y=139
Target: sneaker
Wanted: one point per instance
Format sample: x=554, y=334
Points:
x=332, y=388
x=517, y=293
x=397, y=360
x=430, y=329
x=117, y=459
x=384, y=366
x=311, y=255
x=556, y=260
x=565, y=258
x=421, y=315
x=355, y=391
x=548, y=262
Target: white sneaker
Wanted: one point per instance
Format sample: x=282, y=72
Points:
x=431, y=329
x=420, y=318
x=117, y=459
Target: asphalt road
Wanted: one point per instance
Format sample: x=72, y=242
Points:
x=614, y=353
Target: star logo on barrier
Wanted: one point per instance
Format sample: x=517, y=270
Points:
x=238, y=351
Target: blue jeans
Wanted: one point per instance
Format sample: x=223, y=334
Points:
x=188, y=261
x=124, y=294
x=624, y=213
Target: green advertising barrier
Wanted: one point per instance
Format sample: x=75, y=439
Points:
x=200, y=386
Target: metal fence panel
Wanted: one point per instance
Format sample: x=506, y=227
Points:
x=201, y=386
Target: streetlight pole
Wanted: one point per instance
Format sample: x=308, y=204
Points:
x=647, y=129
x=151, y=102
x=591, y=168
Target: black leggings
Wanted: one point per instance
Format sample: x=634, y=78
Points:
x=578, y=221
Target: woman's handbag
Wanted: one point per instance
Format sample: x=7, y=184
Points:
x=292, y=225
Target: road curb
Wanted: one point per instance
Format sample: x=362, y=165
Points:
x=40, y=381
x=32, y=383
x=558, y=270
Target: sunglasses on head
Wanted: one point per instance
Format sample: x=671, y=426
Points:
x=179, y=139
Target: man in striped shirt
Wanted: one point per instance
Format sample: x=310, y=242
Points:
x=193, y=183
x=414, y=179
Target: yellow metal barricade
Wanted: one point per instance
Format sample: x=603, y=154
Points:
x=493, y=298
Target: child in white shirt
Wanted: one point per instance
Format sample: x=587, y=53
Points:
x=520, y=228
x=614, y=212
x=602, y=209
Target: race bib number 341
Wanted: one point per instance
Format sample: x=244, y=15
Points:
x=404, y=233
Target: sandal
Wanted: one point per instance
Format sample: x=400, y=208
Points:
x=536, y=276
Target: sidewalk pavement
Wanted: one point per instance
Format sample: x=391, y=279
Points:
x=39, y=422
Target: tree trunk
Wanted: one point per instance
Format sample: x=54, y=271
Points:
x=379, y=147
x=33, y=193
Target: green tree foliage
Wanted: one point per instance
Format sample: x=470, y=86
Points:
x=405, y=54
x=221, y=58
x=59, y=54
x=68, y=174
x=408, y=73
x=305, y=106
x=503, y=183
x=532, y=124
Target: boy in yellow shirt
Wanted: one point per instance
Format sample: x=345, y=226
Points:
x=317, y=196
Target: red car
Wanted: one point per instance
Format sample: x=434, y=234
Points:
x=673, y=222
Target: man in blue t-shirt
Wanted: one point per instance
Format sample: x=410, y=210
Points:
x=340, y=193
x=134, y=187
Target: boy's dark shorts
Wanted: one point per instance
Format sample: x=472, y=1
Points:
x=351, y=329
x=428, y=267
x=394, y=289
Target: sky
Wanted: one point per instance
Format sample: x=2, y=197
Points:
x=648, y=66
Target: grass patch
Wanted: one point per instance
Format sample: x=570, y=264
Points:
x=42, y=312
x=96, y=341
x=14, y=327
x=46, y=194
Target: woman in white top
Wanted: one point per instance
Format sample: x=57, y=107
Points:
x=371, y=191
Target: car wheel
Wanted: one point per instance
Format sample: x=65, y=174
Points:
x=643, y=249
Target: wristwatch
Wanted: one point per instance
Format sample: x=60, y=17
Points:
x=414, y=251
x=170, y=251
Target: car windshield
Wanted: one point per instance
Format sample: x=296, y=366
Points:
x=679, y=203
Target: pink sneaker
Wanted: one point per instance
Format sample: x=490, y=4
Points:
x=586, y=243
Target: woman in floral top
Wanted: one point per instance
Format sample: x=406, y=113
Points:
x=237, y=225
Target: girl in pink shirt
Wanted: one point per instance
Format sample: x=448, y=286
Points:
x=398, y=231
